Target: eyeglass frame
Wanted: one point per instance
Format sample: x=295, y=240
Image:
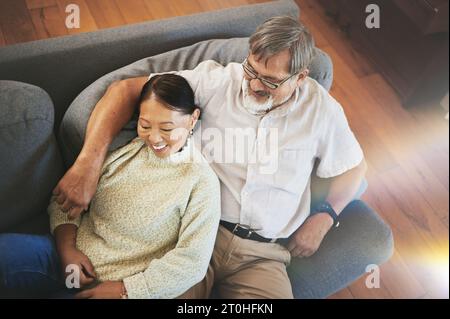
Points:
x=255, y=76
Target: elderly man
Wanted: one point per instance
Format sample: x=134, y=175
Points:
x=266, y=216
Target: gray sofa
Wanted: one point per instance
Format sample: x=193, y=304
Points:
x=48, y=89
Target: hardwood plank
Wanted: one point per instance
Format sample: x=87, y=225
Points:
x=15, y=22
x=87, y=22
x=224, y=4
x=39, y=4
x=186, y=7
x=133, y=11
x=2, y=38
x=48, y=22
x=411, y=223
x=106, y=13
x=210, y=5
x=159, y=9
x=415, y=207
x=428, y=185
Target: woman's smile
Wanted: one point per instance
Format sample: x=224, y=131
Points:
x=159, y=148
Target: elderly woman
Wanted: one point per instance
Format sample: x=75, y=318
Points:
x=151, y=226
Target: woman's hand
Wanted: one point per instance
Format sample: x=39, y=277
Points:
x=73, y=256
x=105, y=290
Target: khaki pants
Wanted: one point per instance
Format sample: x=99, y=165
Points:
x=243, y=268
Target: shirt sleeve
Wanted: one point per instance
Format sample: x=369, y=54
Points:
x=186, y=264
x=338, y=149
x=58, y=217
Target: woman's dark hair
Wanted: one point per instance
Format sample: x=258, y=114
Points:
x=172, y=90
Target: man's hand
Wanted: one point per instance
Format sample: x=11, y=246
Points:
x=105, y=290
x=72, y=255
x=77, y=187
x=307, y=239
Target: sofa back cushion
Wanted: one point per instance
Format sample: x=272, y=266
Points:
x=30, y=162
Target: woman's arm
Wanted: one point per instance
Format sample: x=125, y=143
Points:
x=186, y=264
x=65, y=237
x=76, y=189
x=65, y=234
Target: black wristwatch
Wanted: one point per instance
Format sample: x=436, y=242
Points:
x=325, y=207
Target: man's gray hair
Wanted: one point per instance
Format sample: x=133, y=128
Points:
x=281, y=33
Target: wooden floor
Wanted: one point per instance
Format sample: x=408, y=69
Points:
x=407, y=150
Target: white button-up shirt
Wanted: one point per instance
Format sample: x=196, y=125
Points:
x=270, y=196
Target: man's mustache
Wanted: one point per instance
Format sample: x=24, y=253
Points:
x=260, y=93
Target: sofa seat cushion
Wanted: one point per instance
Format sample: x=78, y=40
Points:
x=30, y=161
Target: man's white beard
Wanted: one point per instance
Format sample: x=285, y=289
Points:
x=251, y=104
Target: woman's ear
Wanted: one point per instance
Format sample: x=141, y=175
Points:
x=194, y=117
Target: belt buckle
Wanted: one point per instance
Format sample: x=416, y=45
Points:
x=247, y=228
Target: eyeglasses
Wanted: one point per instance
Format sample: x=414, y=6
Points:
x=253, y=75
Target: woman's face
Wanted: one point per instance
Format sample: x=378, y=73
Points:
x=165, y=131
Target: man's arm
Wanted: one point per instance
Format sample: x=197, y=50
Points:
x=344, y=187
x=77, y=187
x=306, y=240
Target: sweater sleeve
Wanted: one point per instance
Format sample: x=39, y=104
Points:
x=186, y=264
x=112, y=161
x=58, y=217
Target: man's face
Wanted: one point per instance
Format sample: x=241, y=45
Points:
x=257, y=96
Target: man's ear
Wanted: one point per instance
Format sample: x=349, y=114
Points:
x=302, y=76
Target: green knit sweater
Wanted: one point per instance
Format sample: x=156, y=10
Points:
x=152, y=222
